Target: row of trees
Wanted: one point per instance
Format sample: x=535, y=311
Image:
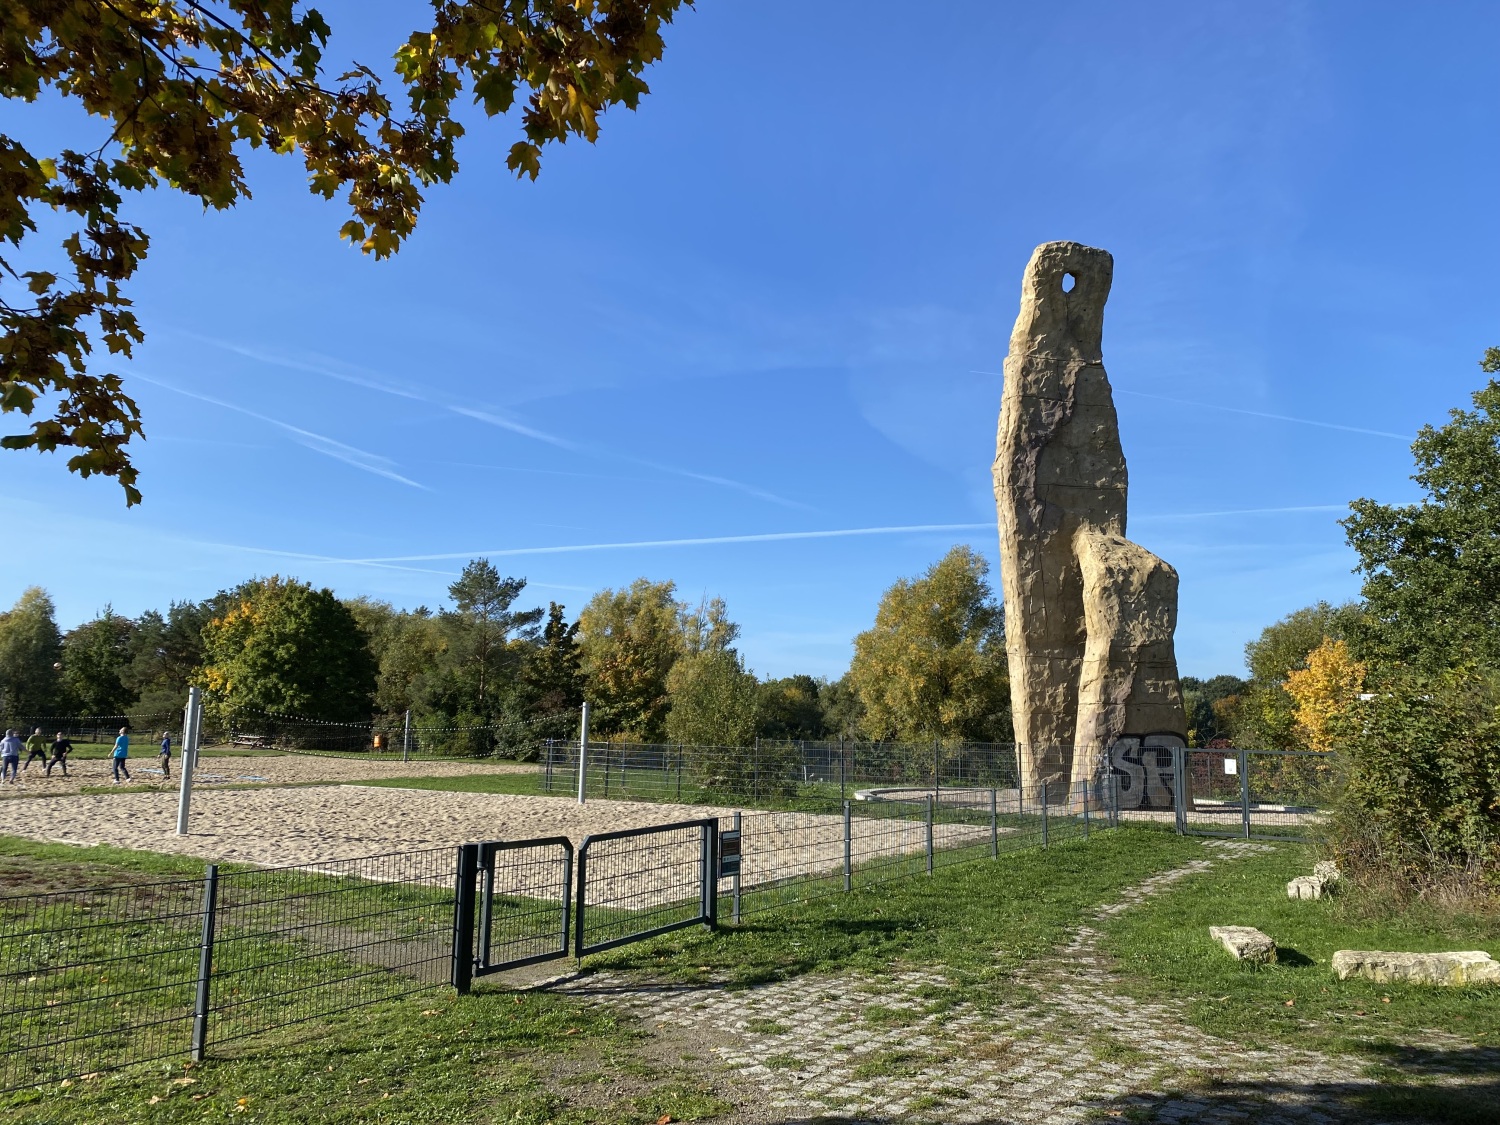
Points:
x=655, y=668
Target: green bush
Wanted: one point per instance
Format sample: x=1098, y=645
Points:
x=1421, y=801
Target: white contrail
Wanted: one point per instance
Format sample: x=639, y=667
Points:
x=1244, y=512
x=318, y=443
x=335, y=370
x=768, y=537
x=1242, y=410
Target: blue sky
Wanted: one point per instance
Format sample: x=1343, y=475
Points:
x=774, y=301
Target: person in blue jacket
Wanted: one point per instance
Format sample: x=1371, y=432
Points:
x=121, y=752
x=166, y=754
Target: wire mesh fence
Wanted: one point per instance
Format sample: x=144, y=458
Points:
x=99, y=977
x=1266, y=794
x=794, y=856
x=524, y=904
x=767, y=773
x=644, y=881
x=292, y=944
x=102, y=978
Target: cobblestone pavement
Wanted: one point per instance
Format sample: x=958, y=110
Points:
x=874, y=1049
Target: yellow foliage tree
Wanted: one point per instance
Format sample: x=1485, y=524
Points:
x=1323, y=690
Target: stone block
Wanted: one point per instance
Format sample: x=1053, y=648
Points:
x=1328, y=871
x=1306, y=886
x=1465, y=967
x=1245, y=943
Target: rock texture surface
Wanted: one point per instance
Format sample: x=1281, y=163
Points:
x=1089, y=615
x=1467, y=967
x=1306, y=886
x=1245, y=943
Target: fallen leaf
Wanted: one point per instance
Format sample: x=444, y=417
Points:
x=199, y=1097
x=431, y=1011
x=1289, y=1003
x=362, y=1081
x=183, y=1081
x=53, y=1003
x=154, y=1099
x=67, y=1082
x=1385, y=999
x=1359, y=1013
x=664, y=1119
x=385, y=1095
x=87, y=1077
x=571, y=1031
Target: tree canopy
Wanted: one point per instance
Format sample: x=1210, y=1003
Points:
x=284, y=647
x=185, y=88
x=934, y=664
x=1432, y=569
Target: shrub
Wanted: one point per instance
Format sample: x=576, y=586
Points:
x=1421, y=801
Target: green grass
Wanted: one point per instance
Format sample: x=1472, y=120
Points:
x=977, y=921
x=1164, y=951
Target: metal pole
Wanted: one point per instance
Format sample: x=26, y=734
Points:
x=711, y=875
x=406, y=738
x=843, y=790
x=1044, y=814
x=583, y=753
x=486, y=906
x=848, y=849
x=736, y=877
x=1085, y=808
x=192, y=720
x=994, y=824
x=937, y=777
x=755, y=776
x=205, y=961
x=930, y=802
x=1245, y=791
x=462, y=973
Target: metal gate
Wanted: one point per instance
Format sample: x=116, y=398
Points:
x=1253, y=794
x=641, y=882
x=513, y=907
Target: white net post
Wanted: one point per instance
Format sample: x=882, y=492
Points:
x=192, y=720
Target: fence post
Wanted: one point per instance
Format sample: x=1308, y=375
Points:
x=937, y=765
x=583, y=753
x=679, y=774
x=486, y=905
x=192, y=722
x=710, y=907
x=1044, y=814
x=930, y=803
x=994, y=824
x=462, y=974
x=843, y=774
x=848, y=848
x=736, y=877
x=1179, y=789
x=755, y=772
x=580, y=903
x=1245, y=791
x=406, y=737
x=1085, y=808
x=205, y=961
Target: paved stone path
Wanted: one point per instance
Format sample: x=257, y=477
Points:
x=874, y=1049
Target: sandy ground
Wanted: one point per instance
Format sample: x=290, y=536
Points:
x=238, y=769
x=273, y=827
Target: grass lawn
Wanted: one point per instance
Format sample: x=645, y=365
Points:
x=1164, y=951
